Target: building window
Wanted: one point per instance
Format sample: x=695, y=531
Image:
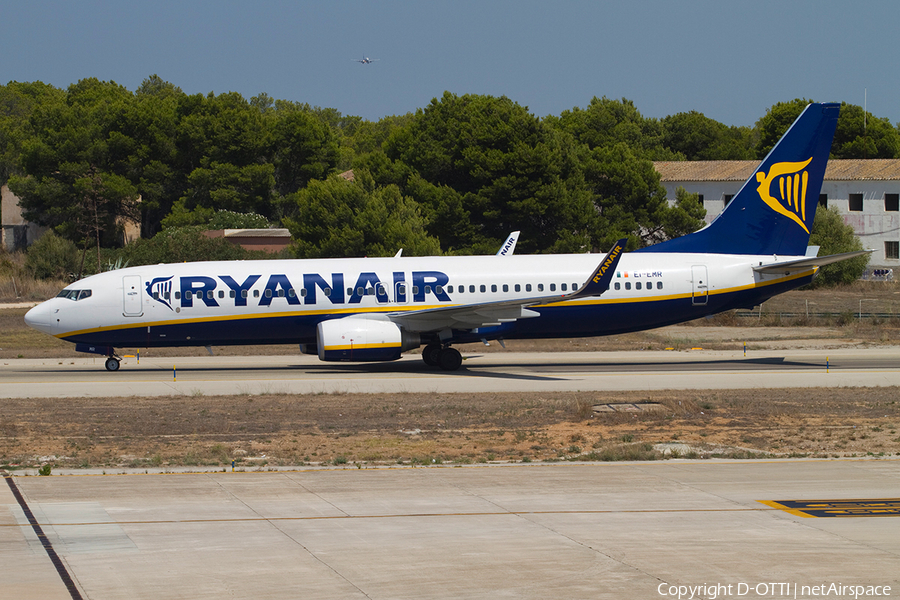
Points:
x=728, y=198
x=700, y=198
x=823, y=200
x=892, y=250
x=892, y=202
x=856, y=202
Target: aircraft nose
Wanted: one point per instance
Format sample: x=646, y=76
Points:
x=40, y=317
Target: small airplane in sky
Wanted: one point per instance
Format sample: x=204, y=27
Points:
x=373, y=309
x=365, y=60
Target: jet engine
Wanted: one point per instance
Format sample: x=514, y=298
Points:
x=363, y=339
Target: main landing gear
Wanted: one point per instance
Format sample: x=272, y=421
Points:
x=448, y=359
x=112, y=363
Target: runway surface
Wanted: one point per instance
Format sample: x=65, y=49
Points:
x=569, y=371
x=621, y=530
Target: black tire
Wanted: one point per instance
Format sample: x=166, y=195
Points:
x=431, y=355
x=450, y=359
x=112, y=364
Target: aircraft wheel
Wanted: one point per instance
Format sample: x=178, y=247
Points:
x=431, y=355
x=450, y=359
x=112, y=364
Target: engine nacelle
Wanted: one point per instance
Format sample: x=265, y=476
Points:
x=362, y=339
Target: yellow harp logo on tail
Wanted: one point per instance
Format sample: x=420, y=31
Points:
x=792, y=182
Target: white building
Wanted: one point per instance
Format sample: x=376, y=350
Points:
x=866, y=192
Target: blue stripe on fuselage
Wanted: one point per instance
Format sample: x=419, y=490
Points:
x=574, y=319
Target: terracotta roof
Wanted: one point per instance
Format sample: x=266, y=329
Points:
x=740, y=170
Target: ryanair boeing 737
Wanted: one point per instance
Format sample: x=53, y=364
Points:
x=373, y=309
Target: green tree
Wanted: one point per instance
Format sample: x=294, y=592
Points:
x=340, y=218
x=861, y=135
x=631, y=201
x=856, y=136
x=303, y=147
x=77, y=159
x=607, y=122
x=833, y=236
x=507, y=170
x=17, y=102
x=776, y=121
x=698, y=137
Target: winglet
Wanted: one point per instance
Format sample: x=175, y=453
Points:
x=602, y=276
x=509, y=246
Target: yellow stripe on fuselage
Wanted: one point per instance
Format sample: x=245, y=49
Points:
x=406, y=308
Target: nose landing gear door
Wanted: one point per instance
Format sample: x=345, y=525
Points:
x=131, y=289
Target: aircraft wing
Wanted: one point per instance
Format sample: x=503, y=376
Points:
x=490, y=314
x=804, y=264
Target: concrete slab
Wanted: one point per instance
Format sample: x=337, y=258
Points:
x=520, y=531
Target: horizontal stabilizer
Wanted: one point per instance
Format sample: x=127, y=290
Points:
x=804, y=264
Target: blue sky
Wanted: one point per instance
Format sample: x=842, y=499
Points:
x=730, y=60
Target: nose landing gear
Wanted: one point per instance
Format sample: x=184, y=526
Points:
x=112, y=363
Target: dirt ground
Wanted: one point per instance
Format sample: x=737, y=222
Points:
x=425, y=429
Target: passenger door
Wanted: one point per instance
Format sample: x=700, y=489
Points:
x=132, y=298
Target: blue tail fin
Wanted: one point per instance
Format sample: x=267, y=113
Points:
x=774, y=209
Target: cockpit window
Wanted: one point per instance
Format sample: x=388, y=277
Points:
x=74, y=294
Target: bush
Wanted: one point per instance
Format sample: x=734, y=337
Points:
x=835, y=237
x=183, y=244
x=52, y=257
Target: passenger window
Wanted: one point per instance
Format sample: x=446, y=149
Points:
x=449, y=289
x=256, y=293
x=494, y=287
x=518, y=287
x=540, y=287
x=167, y=295
x=303, y=292
x=552, y=287
x=327, y=292
x=483, y=288
x=505, y=287
x=462, y=289
x=563, y=287
x=178, y=295
x=415, y=290
x=188, y=295
x=427, y=289
x=659, y=285
x=221, y=294
x=618, y=286
x=527, y=287
x=268, y=293
x=471, y=289
x=232, y=294
x=381, y=290
x=637, y=285
x=244, y=293
x=439, y=289
x=291, y=292
x=156, y=295
x=627, y=285
x=574, y=287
